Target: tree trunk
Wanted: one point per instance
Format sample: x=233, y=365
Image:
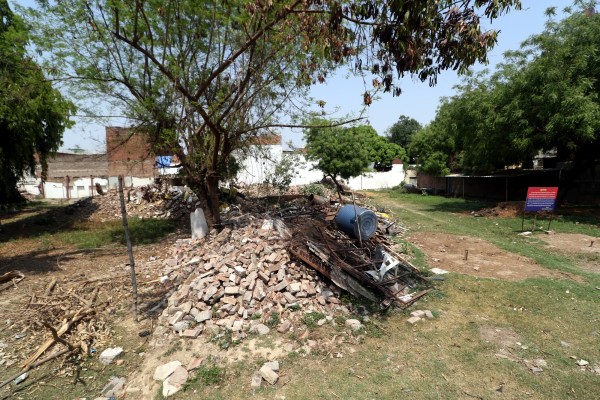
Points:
x=206, y=187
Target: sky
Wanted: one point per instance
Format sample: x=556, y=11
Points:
x=344, y=95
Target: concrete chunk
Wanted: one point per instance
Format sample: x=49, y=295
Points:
x=256, y=381
x=193, y=333
x=109, y=355
x=353, y=324
x=261, y=329
x=176, y=318
x=175, y=382
x=210, y=292
x=274, y=365
x=232, y=290
x=204, y=316
x=268, y=374
x=284, y=326
x=162, y=372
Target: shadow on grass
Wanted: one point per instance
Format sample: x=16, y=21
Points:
x=459, y=206
x=39, y=218
x=581, y=215
x=70, y=223
x=146, y=231
x=39, y=236
x=444, y=204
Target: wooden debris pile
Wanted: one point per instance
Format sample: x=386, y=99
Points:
x=370, y=269
x=55, y=322
x=70, y=318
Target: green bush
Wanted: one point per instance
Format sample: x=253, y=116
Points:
x=316, y=189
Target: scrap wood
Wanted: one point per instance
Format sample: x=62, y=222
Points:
x=11, y=275
x=67, y=324
x=105, y=278
x=87, y=302
x=55, y=335
x=42, y=361
x=50, y=287
x=10, y=278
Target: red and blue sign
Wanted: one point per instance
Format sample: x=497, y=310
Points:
x=541, y=198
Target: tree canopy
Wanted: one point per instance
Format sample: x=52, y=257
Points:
x=544, y=96
x=403, y=130
x=348, y=151
x=33, y=115
x=202, y=78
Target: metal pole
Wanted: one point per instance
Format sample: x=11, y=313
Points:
x=129, y=248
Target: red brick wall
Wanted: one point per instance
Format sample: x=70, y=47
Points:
x=128, y=153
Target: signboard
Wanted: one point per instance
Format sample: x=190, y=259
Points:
x=541, y=198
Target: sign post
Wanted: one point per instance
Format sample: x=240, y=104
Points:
x=540, y=199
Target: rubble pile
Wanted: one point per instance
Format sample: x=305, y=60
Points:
x=242, y=280
x=151, y=201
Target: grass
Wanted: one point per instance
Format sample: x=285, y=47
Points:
x=206, y=375
x=452, y=216
x=310, y=319
x=90, y=235
x=54, y=226
x=273, y=320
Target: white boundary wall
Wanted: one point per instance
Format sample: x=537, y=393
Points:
x=79, y=187
x=260, y=160
x=256, y=167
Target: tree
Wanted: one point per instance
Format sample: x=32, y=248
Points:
x=545, y=96
x=33, y=115
x=202, y=78
x=403, y=130
x=556, y=97
x=348, y=151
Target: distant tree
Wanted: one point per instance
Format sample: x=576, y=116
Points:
x=544, y=96
x=432, y=150
x=403, y=130
x=33, y=115
x=348, y=151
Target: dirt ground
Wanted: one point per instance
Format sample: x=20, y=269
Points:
x=576, y=243
x=483, y=259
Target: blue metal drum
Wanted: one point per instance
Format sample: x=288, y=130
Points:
x=347, y=217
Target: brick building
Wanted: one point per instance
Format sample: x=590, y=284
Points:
x=128, y=153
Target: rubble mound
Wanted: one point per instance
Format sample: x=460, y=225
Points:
x=242, y=280
x=504, y=209
x=150, y=201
